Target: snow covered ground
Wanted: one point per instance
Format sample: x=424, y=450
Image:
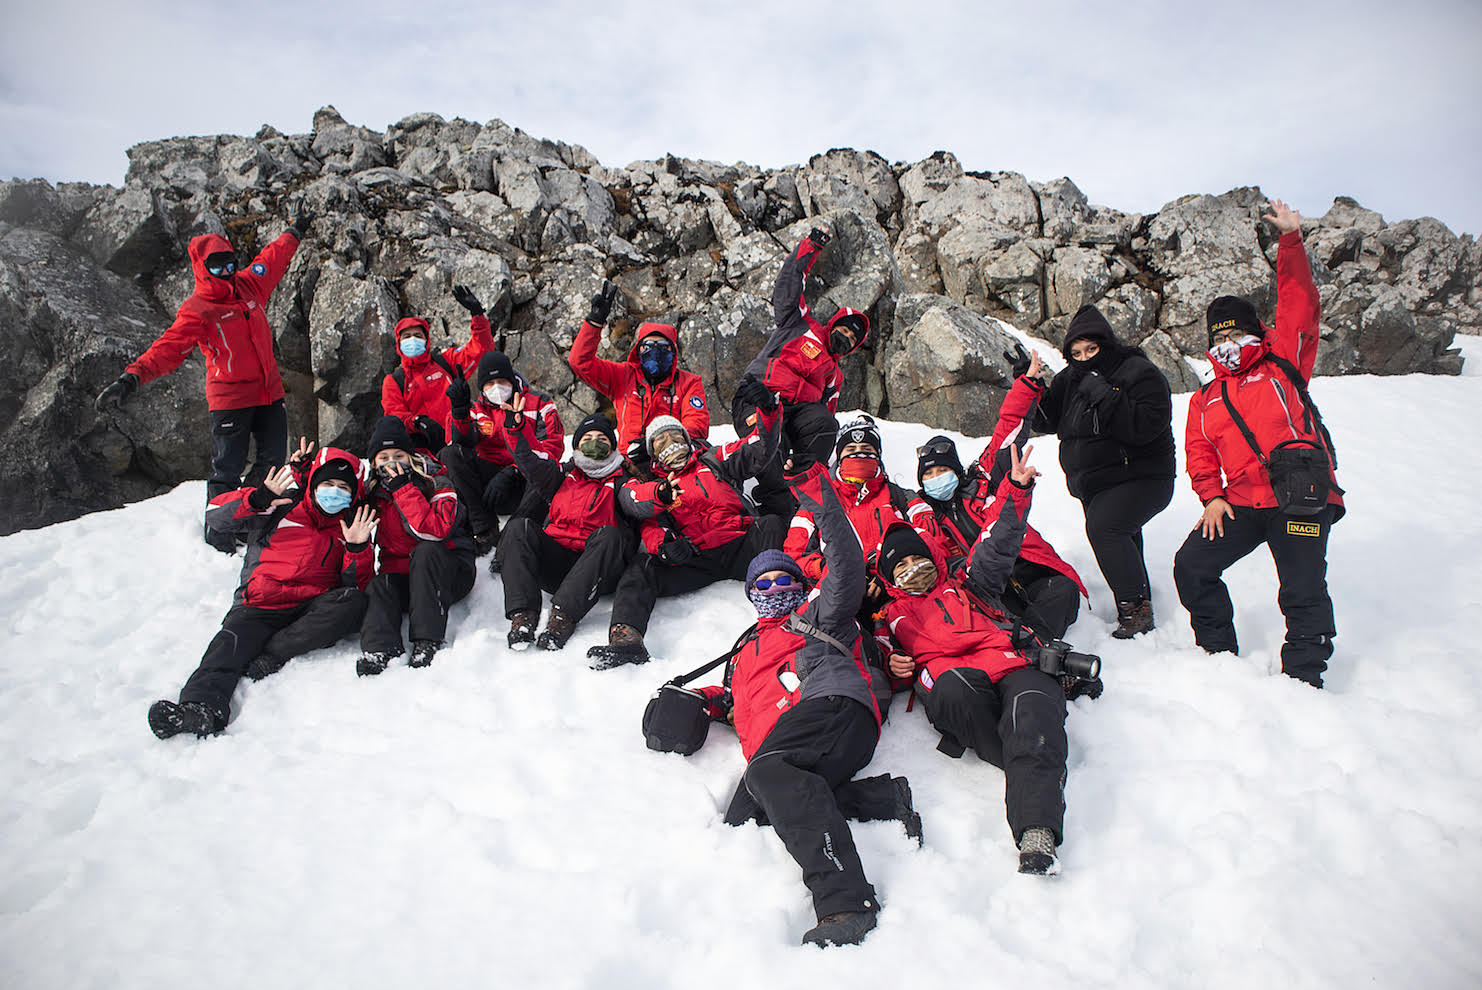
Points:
x=496, y=820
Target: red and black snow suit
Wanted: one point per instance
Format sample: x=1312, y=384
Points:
x=635, y=401
x=418, y=387
x=873, y=505
x=225, y=319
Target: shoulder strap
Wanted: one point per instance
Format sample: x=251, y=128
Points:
x=442, y=362
x=899, y=498
x=796, y=623
x=1240, y=421
x=741, y=641
x=400, y=375
x=1301, y=386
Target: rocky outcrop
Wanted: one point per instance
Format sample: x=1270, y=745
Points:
x=935, y=255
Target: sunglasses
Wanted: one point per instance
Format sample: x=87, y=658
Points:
x=937, y=447
x=221, y=268
x=782, y=582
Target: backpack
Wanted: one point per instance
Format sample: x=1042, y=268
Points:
x=399, y=373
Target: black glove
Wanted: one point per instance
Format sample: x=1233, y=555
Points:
x=676, y=551
x=1095, y=388
x=1018, y=358
x=511, y=419
x=665, y=492
x=300, y=225
x=602, y=304
x=819, y=236
x=260, y=498
x=755, y=392
x=391, y=482
x=468, y=300
x=118, y=393
x=499, y=488
x=460, y=396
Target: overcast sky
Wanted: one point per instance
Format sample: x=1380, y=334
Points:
x=1138, y=102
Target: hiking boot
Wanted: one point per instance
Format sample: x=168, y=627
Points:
x=905, y=812
x=423, y=651
x=168, y=719
x=558, y=630
x=1133, y=618
x=844, y=928
x=1037, y=852
x=264, y=665
x=624, y=646
x=522, y=629
x=372, y=663
x=484, y=542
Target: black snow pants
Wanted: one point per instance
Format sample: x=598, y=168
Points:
x=1017, y=725
x=1114, y=521
x=646, y=579
x=487, y=490
x=531, y=562
x=809, y=431
x=248, y=632
x=232, y=433
x=437, y=577
x=1042, y=598
x=796, y=778
x=1299, y=546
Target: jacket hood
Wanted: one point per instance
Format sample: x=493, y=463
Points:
x=648, y=330
x=1089, y=324
x=855, y=316
x=209, y=286
x=325, y=456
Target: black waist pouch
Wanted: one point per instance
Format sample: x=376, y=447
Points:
x=675, y=720
x=1300, y=479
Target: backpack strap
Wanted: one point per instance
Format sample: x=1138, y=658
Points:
x=1301, y=386
x=399, y=373
x=746, y=636
x=1240, y=422
x=796, y=623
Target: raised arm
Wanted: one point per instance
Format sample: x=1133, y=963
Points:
x=789, y=305
x=1298, y=306
x=842, y=589
x=538, y=467
x=992, y=558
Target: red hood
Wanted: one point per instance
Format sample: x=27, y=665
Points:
x=208, y=286
x=843, y=312
x=664, y=330
x=323, y=457
x=413, y=321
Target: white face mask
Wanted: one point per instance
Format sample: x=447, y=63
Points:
x=499, y=394
x=1229, y=352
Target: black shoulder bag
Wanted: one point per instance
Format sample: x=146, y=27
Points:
x=1300, y=471
x=674, y=720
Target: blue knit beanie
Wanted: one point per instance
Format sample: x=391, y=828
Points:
x=772, y=560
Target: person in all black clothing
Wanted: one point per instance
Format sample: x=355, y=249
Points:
x=1112, y=410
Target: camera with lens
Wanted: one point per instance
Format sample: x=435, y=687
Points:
x=1057, y=658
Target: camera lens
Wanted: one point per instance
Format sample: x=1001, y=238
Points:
x=1083, y=665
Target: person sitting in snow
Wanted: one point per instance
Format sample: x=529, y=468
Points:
x=424, y=559
x=308, y=560
x=799, y=696
x=481, y=457
x=648, y=384
x=416, y=390
x=978, y=689
x=800, y=363
x=584, y=546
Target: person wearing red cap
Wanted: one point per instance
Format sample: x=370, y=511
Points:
x=416, y=390
x=225, y=317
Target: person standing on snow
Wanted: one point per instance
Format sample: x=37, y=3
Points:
x=800, y=364
x=424, y=563
x=225, y=317
x=1113, y=411
x=1240, y=425
x=416, y=390
x=308, y=560
x=648, y=384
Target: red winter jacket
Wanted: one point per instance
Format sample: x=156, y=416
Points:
x=709, y=510
x=579, y=505
x=423, y=388
x=484, y=427
x=873, y=507
x=296, y=552
x=955, y=524
x=950, y=626
x=225, y=319
x=408, y=517
x=796, y=363
x=636, y=402
x=1265, y=397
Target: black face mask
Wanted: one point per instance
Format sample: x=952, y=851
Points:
x=840, y=343
x=222, y=264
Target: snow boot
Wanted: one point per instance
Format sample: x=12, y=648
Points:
x=558, y=630
x=423, y=651
x=484, y=542
x=624, y=646
x=265, y=665
x=1133, y=618
x=906, y=812
x=522, y=629
x=844, y=928
x=168, y=719
x=1037, y=852
x=372, y=663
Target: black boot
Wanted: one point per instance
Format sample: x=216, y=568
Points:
x=624, y=645
x=168, y=719
x=558, y=630
x=372, y=663
x=906, y=813
x=522, y=629
x=1037, y=852
x=1133, y=618
x=844, y=928
x=423, y=651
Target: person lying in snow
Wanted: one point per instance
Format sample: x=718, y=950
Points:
x=424, y=559
x=799, y=696
x=308, y=561
x=416, y=390
x=978, y=689
x=582, y=549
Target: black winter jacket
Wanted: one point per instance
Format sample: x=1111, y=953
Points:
x=1126, y=436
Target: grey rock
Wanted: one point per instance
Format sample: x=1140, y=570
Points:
x=1077, y=277
x=351, y=350
x=947, y=368
x=131, y=234
x=1163, y=352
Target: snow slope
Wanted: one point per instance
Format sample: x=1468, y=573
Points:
x=496, y=820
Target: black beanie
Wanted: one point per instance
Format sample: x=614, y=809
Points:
x=1233, y=311
x=939, y=451
x=1089, y=324
x=861, y=430
x=389, y=434
x=496, y=364
x=900, y=542
x=596, y=421
x=335, y=469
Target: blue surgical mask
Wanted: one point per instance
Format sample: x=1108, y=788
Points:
x=413, y=346
x=941, y=487
x=332, y=498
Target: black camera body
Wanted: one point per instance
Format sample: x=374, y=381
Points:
x=1056, y=658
